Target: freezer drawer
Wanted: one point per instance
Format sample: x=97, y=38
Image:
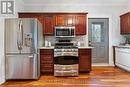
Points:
x=22, y=66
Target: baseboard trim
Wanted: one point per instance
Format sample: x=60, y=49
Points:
x=101, y=64
x=2, y=81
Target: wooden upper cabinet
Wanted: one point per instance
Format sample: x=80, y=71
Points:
x=77, y=20
x=80, y=24
x=65, y=20
x=46, y=20
x=60, y=20
x=125, y=23
x=48, y=24
x=31, y=15
x=50, y=20
x=70, y=20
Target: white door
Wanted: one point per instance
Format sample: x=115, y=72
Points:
x=98, y=38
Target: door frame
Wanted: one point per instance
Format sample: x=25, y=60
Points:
x=107, y=33
x=110, y=52
x=107, y=36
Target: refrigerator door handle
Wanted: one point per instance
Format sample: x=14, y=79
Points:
x=21, y=32
x=20, y=36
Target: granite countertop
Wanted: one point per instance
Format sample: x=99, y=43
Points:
x=52, y=47
x=85, y=47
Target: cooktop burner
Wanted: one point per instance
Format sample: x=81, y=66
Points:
x=63, y=44
x=66, y=47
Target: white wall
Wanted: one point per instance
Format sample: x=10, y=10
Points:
x=94, y=11
x=128, y=8
x=18, y=7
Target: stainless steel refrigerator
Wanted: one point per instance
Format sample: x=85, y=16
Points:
x=23, y=37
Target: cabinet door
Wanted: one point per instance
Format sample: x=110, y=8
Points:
x=46, y=61
x=48, y=25
x=70, y=20
x=60, y=20
x=85, y=60
x=124, y=20
x=80, y=25
x=65, y=20
x=39, y=17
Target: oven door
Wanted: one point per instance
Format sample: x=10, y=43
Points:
x=66, y=60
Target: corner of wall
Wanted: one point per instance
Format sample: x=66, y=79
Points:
x=1, y=82
x=18, y=8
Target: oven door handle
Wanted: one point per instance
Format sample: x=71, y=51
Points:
x=65, y=55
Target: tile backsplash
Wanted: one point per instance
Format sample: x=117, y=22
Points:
x=50, y=39
x=127, y=39
x=78, y=40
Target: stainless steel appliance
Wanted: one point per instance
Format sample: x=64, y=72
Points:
x=23, y=37
x=65, y=31
x=66, y=60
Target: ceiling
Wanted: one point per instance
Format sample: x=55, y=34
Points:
x=106, y=2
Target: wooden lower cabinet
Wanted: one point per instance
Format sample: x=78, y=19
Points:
x=46, y=61
x=47, y=64
x=84, y=60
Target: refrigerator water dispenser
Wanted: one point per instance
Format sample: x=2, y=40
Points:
x=28, y=39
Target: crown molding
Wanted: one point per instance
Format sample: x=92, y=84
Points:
x=70, y=4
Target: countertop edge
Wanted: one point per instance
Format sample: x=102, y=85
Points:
x=78, y=47
x=123, y=47
x=85, y=47
x=46, y=47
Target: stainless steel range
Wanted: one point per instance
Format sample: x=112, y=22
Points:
x=66, y=60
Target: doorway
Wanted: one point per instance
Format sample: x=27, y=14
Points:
x=98, y=37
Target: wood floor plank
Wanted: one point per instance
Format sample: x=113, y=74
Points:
x=98, y=77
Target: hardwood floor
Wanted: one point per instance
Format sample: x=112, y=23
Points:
x=99, y=77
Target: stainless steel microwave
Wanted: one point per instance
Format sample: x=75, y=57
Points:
x=65, y=31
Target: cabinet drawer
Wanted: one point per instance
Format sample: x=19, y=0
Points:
x=46, y=57
x=47, y=68
x=85, y=51
x=46, y=62
x=46, y=51
x=47, y=65
x=47, y=71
